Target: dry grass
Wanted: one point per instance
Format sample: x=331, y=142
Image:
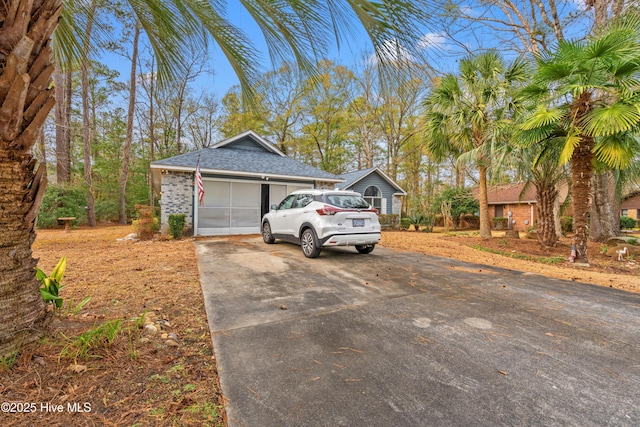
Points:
x=128, y=381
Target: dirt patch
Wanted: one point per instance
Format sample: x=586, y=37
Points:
x=78, y=376
x=521, y=254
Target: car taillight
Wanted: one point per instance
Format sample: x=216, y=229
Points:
x=327, y=210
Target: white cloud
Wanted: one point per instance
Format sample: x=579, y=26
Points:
x=431, y=40
x=392, y=52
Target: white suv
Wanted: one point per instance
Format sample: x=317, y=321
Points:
x=314, y=219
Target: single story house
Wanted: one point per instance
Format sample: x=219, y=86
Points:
x=517, y=203
x=631, y=205
x=242, y=177
x=377, y=188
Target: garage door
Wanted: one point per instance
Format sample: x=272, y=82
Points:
x=229, y=208
x=235, y=207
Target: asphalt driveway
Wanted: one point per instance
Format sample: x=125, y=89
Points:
x=403, y=339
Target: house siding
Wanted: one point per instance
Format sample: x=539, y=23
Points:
x=177, y=198
x=386, y=189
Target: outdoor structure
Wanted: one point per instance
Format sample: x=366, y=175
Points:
x=517, y=206
x=377, y=189
x=631, y=205
x=242, y=177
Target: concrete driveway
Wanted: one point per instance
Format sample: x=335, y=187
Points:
x=403, y=339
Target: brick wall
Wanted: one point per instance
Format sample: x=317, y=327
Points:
x=520, y=213
x=177, y=198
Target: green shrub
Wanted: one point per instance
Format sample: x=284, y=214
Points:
x=405, y=223
x=147, y=224
x=389, y=220
x=62, y=201
x=500, y=223
x=176, y=225
x=627, y=223
x=566, y=224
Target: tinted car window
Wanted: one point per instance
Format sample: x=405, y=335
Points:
x=304, y=200
x=346, y=201
x=287, y=203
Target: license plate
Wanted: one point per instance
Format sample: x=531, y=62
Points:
x=358, y=222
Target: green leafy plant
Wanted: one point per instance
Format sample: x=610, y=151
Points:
x=51, y=284
x=417, y=219
x=632, y=241
x=500, y=223
x=72, y=310
x=627, y=223
x=176, y=225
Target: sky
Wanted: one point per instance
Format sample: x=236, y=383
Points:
x=441, y=52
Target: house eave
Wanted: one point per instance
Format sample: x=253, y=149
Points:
x=258, y=175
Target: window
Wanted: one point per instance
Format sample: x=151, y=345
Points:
x=624, y=212
x=499, y=211
x=304, y=200
x=288, y=202
x=373, y=196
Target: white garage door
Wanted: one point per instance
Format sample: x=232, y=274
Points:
x=229, y=208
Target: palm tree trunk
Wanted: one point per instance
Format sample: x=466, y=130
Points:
x=545, y=201
x=126, y=151
x=581, y=172
x=485, y=222
x=26, y=99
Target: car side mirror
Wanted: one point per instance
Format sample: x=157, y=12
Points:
x=274, y=207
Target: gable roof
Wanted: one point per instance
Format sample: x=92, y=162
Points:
x=246, y=154
x=353, y=178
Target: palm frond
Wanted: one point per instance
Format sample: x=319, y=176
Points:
x=570, y=142
x=542, y=117
x=611, y=119
x=617, y=151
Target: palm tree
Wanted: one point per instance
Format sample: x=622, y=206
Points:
x=466, y=113
x=538, y=165
x=587, y=94
x=300, y=30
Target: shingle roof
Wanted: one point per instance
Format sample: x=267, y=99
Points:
x=245, y=161
x=352, y=178
x=509, y=194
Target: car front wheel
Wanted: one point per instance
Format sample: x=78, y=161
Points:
x=309, y=243
x=365, y=249
x=266, y=233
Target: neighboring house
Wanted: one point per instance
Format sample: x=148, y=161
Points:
x=242, y=177
x=631, y=205
x=377, y=189
x=509, y=201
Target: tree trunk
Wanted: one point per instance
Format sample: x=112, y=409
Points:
x=86, y=133
x=545, y=201
x=63, y=156
x=26, y=99
x=485, y=222
x=126, y=151
x=603, y=224
x=581, y=172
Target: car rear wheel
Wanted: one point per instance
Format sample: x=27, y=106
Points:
x=266, y=233
x=365, y=249
x=309, y=243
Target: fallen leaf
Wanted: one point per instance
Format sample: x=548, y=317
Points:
x=77, y=368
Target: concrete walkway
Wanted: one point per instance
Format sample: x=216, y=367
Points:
x=403, y=339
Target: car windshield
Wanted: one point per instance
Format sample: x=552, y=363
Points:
x=346, y=201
